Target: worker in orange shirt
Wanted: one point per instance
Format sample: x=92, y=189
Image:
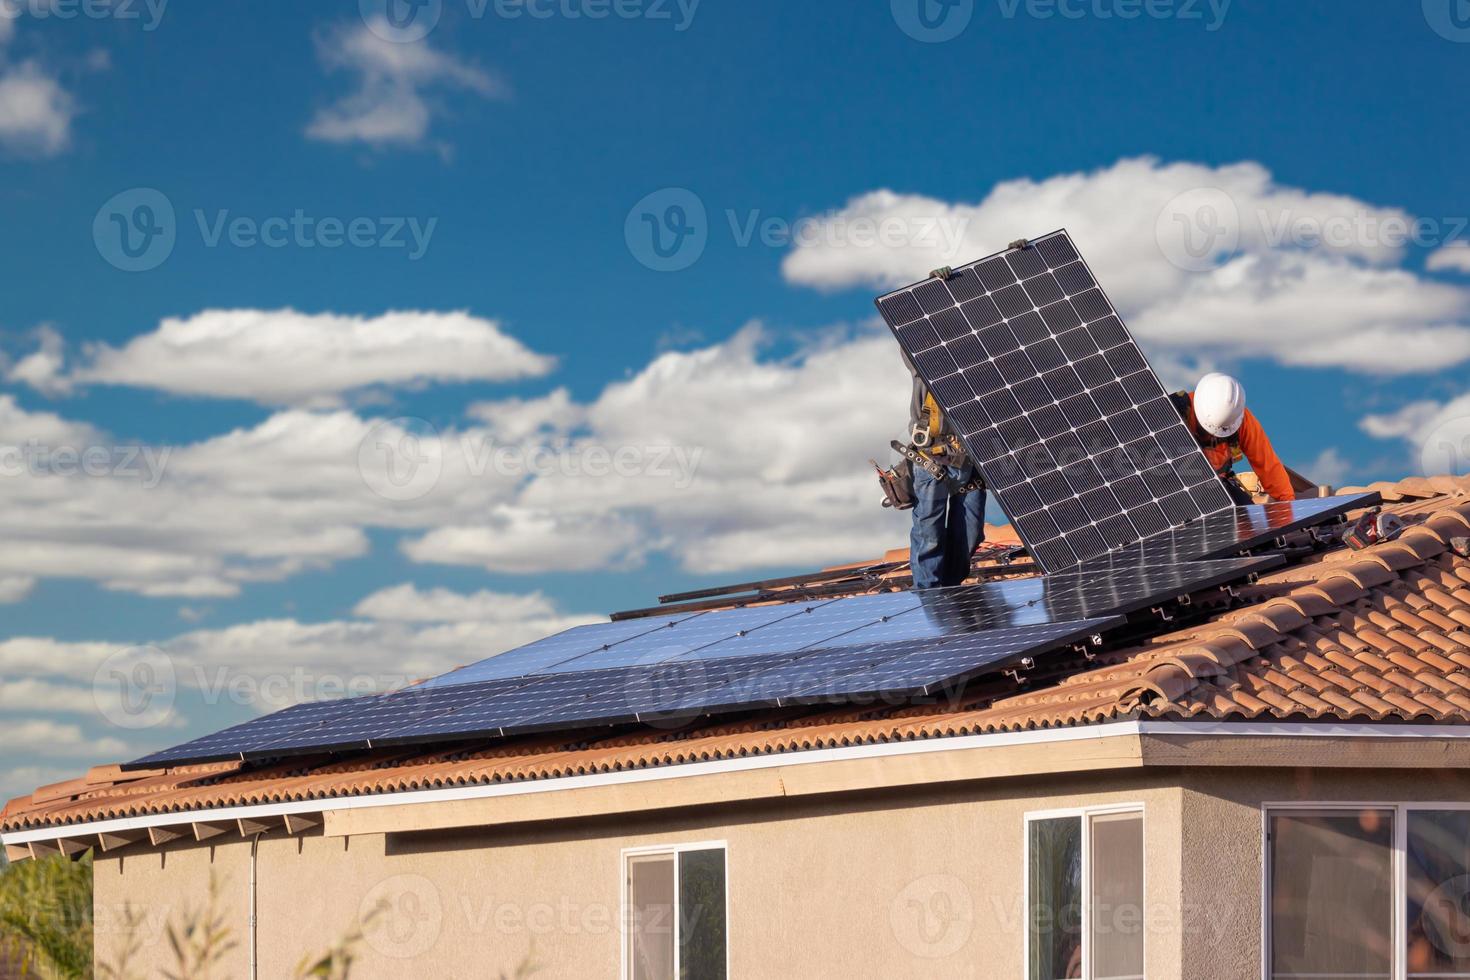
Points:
x=1228, y=432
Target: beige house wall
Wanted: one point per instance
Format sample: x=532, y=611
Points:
x=911, y=884
x=892, y=884
x=1224, y=846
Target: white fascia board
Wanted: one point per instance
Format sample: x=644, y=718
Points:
x=1121, y=729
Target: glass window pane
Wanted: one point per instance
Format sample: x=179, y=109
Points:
x=651, y=917
x=702, y=915
x=1116, y=913
x=1439, y=893
x=1054, y=913
x=1331, y=894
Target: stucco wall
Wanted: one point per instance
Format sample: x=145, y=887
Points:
x=1223, y=846
x=898, y=885
x=884, y=885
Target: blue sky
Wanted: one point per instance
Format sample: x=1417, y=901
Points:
x=498, y=170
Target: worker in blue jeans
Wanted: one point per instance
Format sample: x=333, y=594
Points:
x=949, y=505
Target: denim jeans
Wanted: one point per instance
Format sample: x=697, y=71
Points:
x=947, y=529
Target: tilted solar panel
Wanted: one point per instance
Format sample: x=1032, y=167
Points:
x=1052, y=397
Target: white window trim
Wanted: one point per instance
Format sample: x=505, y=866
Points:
x=1084, y=813
x=655, y=850
x=1400, y=867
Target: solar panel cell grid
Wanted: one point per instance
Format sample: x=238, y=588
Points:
x=1041, y=377
x=833, y=650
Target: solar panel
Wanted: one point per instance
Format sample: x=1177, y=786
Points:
x=815, y=626
x=232, y=742
x=1029, y=360
x=367, y=718
x=560, y=648
x=890, y=670
x=950, y=662
x=567, y=701
x=849, y=649
x=1244, y=528
x=689, y=638
x=763, y=630
x=1112, y=586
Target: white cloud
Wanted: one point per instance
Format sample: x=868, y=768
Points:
x=24, y=780
x=707, y=456
x=18, y=426
x=407, y=604
x=1316, y=279
x=392, y=103
x=284, y=357
x=14, y=588
x=267, y=664
x=516, y=419
x=31, y=694
x=43, y=368
x=1414, y=419
x=1308, y=311
x=30, y=656
x=1330, y=468
x=1455, y=257
x=732, y=461
x=35, y=111
x=1437, y=434
x=520, y=540
x=51, y=739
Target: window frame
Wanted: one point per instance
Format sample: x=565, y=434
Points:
x=1400, y=811
x=674, y=850
x=1085, y=814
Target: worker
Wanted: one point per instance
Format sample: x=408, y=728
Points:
x=949, y=497
x=1229, y=432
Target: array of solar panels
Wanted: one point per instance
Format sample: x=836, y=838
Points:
x=1073, y=431
x=669, y=670
x=1033, y=367
x=887, y=646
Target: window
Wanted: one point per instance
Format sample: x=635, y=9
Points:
x=674, y=913
x=1374, y=891
x=1084, y=895
x=1437, y=897
x=1332, y=894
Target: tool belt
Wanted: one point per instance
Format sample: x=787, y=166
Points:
x=897, y=483
x=936, y=469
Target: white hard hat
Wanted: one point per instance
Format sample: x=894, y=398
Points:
x=1219, y=405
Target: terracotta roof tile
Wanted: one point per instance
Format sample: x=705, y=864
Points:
x=1363, y=636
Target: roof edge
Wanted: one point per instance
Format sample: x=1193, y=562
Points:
x=1196, y=730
